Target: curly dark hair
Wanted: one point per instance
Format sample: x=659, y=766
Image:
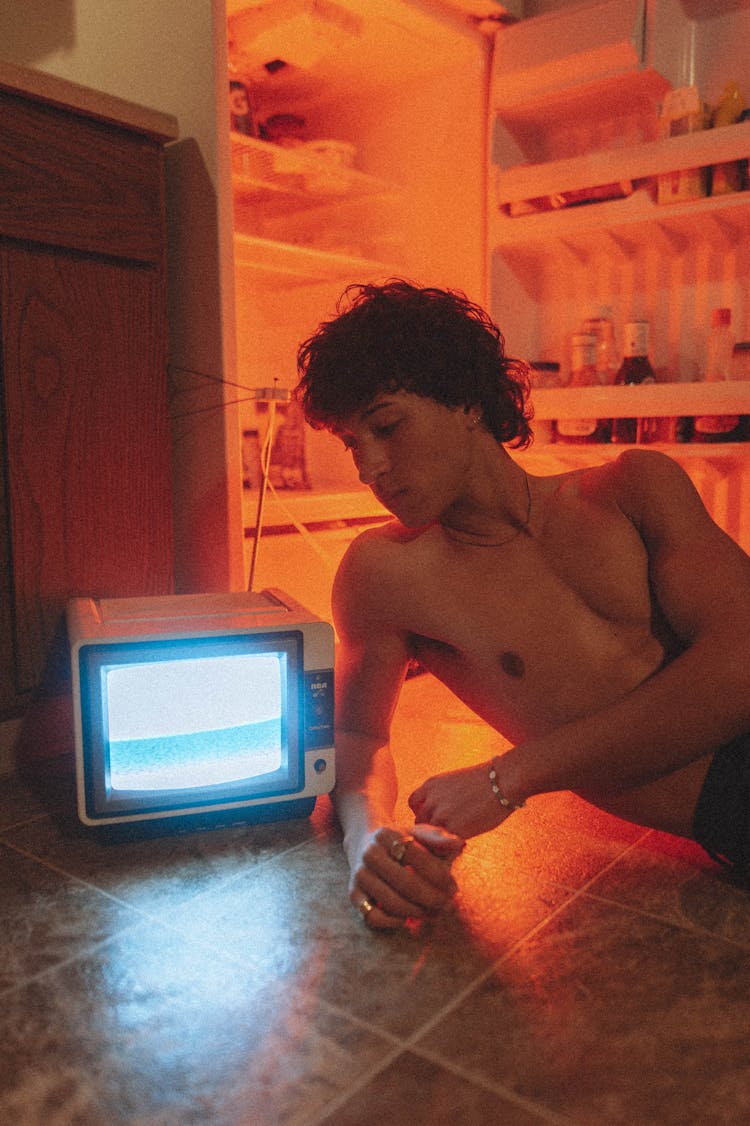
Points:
x=402, y=337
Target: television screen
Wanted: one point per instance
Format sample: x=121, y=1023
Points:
x=201, y=721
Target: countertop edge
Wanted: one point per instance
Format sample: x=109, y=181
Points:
x=61, y=92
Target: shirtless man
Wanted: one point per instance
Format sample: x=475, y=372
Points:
x=598, y=619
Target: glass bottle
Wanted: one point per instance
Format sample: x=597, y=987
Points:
x=635, y=369
x=719, y=350
x=599, y=323
x=583, y=374
x=741, y=371
x=544, y=374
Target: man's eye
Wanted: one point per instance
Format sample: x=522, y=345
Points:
x=385, y=430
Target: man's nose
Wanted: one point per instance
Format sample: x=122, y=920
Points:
x=371, y=463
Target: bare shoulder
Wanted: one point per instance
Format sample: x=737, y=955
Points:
x=631, y=471
x=655, y=496
x=661, y=500
x=653, y=489
x=635, y=483
x=376, y=549
x=645, y=466
x=369, y=584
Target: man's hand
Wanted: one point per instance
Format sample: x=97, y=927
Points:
x=404, y=874
x=461, y=801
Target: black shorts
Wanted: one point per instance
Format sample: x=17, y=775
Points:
x=722, y=815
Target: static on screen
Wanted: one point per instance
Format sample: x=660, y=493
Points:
x=180, y=724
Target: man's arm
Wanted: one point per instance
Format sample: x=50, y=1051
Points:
x=701, y=700
x=371, y=661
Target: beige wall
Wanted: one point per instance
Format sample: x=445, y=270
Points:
x=170, y=56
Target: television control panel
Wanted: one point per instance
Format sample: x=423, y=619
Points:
x=318, y=709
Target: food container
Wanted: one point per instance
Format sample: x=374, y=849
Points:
x=682, y=112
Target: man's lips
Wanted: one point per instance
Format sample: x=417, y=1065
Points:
x=388, y=498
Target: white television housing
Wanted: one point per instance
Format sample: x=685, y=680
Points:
x=199, y=710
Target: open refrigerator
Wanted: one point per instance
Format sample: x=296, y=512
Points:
x=425, y=139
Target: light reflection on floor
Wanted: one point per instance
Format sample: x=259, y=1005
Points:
x=592, y=972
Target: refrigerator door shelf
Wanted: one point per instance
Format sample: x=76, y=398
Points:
x=636, y=162
x=626, y=225
x=655, y=400
x=567, y=50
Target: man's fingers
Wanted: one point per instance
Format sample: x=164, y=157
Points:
x=439, y=841
x=418, y=877
x=372, y=913
x=404, y=903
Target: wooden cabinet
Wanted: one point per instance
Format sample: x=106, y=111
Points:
x=85, y=480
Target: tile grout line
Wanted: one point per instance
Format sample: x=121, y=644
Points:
x=685, y=926
x=60, y=871
x=539, y=1111
x=580, y=893
x=334, y=1104
x=141, y=918
x=573, y=895
x=31, y=819
x=690, y=928
x=507, y=1093
x=84, y=952
x=410, y=1043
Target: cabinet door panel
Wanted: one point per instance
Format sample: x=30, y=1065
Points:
x=87, y=456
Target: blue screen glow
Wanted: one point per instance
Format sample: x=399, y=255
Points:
x=181, y=724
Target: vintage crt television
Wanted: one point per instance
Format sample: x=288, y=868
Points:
x=198, y=710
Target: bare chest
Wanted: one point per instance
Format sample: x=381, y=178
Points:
x=533, y=636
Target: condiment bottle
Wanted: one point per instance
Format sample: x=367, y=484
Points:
x=544, y=374
x=741, y=371
x=719, y=351
x=599, y=323
x=635, y=369
x=727, y=176
x=583, y=374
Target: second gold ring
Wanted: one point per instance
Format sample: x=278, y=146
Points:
x=398, y=849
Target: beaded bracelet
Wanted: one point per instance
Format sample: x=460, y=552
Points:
x=505, y=802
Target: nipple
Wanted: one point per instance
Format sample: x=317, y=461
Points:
x=512, y=664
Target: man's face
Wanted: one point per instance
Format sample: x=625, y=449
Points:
x=412, y=452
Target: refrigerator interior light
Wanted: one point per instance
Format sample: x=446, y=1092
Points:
x=300, y=32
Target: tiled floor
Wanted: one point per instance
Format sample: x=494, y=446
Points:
x=593, y=973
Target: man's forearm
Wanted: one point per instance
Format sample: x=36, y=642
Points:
x=366, y=786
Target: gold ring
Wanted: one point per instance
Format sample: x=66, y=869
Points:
x=365, y=907
x=398, y=848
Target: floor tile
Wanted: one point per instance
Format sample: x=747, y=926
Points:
x=156, y=874
x=47, y=918
x=592, y=972
x=151, y=1030
x=676, y=880
x=292, y=921
x=415, y=1092
x=18, y=802
x=611, y=1016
